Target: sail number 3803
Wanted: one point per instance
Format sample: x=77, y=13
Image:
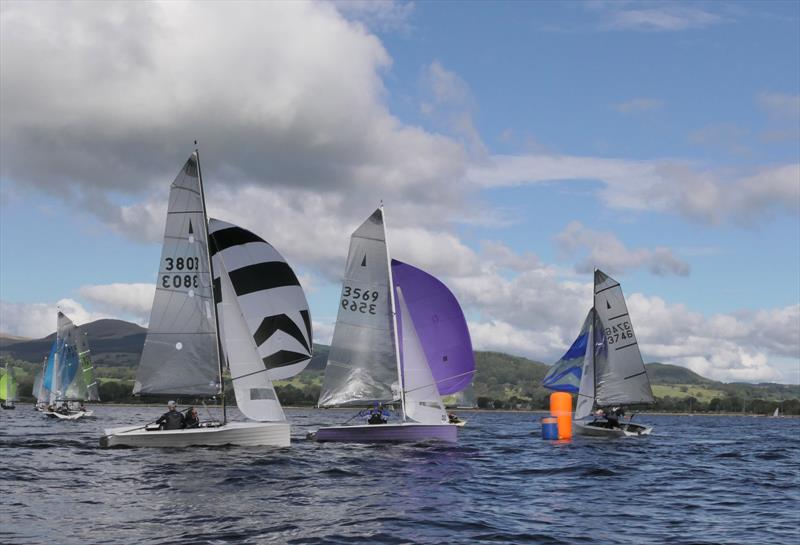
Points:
x=358, y=300
x=177, y=278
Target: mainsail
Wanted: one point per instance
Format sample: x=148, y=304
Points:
x=422, y=400
x=362, y=362
x=269, y=296
x=264, y=317
x=440, y=325
x=620, y=376
x=64, y=377
x=87, y=367
x=180, y=355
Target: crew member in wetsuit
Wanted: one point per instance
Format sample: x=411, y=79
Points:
x=172, y=419
x=376, y=415
x=613, y=416
x=191, y=420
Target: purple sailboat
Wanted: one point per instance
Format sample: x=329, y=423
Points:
x=400, y=336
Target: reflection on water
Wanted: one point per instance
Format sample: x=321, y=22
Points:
x=696, y=480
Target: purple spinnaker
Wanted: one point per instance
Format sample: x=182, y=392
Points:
x=440, y=326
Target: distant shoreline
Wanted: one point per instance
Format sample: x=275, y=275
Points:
x=451, y=410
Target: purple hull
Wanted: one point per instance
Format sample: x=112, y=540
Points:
x=387, y=433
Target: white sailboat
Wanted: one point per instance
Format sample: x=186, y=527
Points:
x=399, y=336
x=223, y=295
x=777, y=413
x=67, y=379
x=604, y=366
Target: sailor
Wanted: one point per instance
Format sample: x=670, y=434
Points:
x=612, y=416
x=191, y=420
x=172, y=419
x=376, y=415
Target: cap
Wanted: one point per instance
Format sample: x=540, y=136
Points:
x=170, y=403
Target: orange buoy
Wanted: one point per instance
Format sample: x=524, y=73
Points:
x=561, y=408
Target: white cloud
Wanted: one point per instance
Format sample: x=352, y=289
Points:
x=638, y=105
x=605, y=251
x=130, y=300
x=380, y=15
x=667, y=186
x=39, y=319
x=653, y=16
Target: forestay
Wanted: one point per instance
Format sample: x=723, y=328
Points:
x=422, y=401
x=440, y=325
x=180, y=354
x=620, y=375
x=268, y=295
x=362, y=364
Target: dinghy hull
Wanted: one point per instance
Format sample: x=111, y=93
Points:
x=598, y=428
x=71, y=415
x=247, y=434
x=406, y=432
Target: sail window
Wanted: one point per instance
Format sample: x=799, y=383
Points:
x=262, y=393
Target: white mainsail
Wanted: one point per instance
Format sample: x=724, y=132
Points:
x=362, y=362
x=180, y=355
x=620, y=375
x=422, y=400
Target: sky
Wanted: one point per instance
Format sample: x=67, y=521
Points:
x=515, y=146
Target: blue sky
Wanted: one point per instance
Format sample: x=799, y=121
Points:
x=516, y=145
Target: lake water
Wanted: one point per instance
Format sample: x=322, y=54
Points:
x=701, y=479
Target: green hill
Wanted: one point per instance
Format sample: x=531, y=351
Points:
x=501, y=380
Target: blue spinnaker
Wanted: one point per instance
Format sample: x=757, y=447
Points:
x=565, y=374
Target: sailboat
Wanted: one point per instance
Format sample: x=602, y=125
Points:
x=68, y=378
x=224, y=295
x=400, y=335
x=777, y=413
x=8, y=389
x=604, y=366
x=39, y=391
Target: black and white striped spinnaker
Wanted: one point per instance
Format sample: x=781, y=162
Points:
x=268, y=294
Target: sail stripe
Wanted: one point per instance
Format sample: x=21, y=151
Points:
x=616, y=317
x=283, y=358
x=217, y=290
x=626, y=346
x=604, y=289
x=231, y=236
x=636, y=375
x=262, y=276
x=307, y=319
x=279, y=322
x=185, y=212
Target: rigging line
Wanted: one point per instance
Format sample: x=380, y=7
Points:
x=250, y=374
x=604, y=289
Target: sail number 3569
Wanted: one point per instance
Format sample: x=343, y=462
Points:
x=358, y=300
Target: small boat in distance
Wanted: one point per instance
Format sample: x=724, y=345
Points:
x=777, y=413
x=8, y=388
x=400, y=335
x=223, y=295
x=68, y=376
x=604, y=367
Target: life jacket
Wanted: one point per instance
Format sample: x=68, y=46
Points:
x=173, y=420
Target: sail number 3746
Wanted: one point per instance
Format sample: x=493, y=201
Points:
x=358, y=300
x=619, y=332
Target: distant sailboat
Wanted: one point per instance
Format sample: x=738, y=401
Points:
x=68, y=377
x=604, y=365
x=223, y=295
x=8, y=388
x=400, y=335
x=777, y=412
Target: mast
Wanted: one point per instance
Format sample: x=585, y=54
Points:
x=594, y=347
x=213, y=303
x=54, y=382
x=394, y=319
